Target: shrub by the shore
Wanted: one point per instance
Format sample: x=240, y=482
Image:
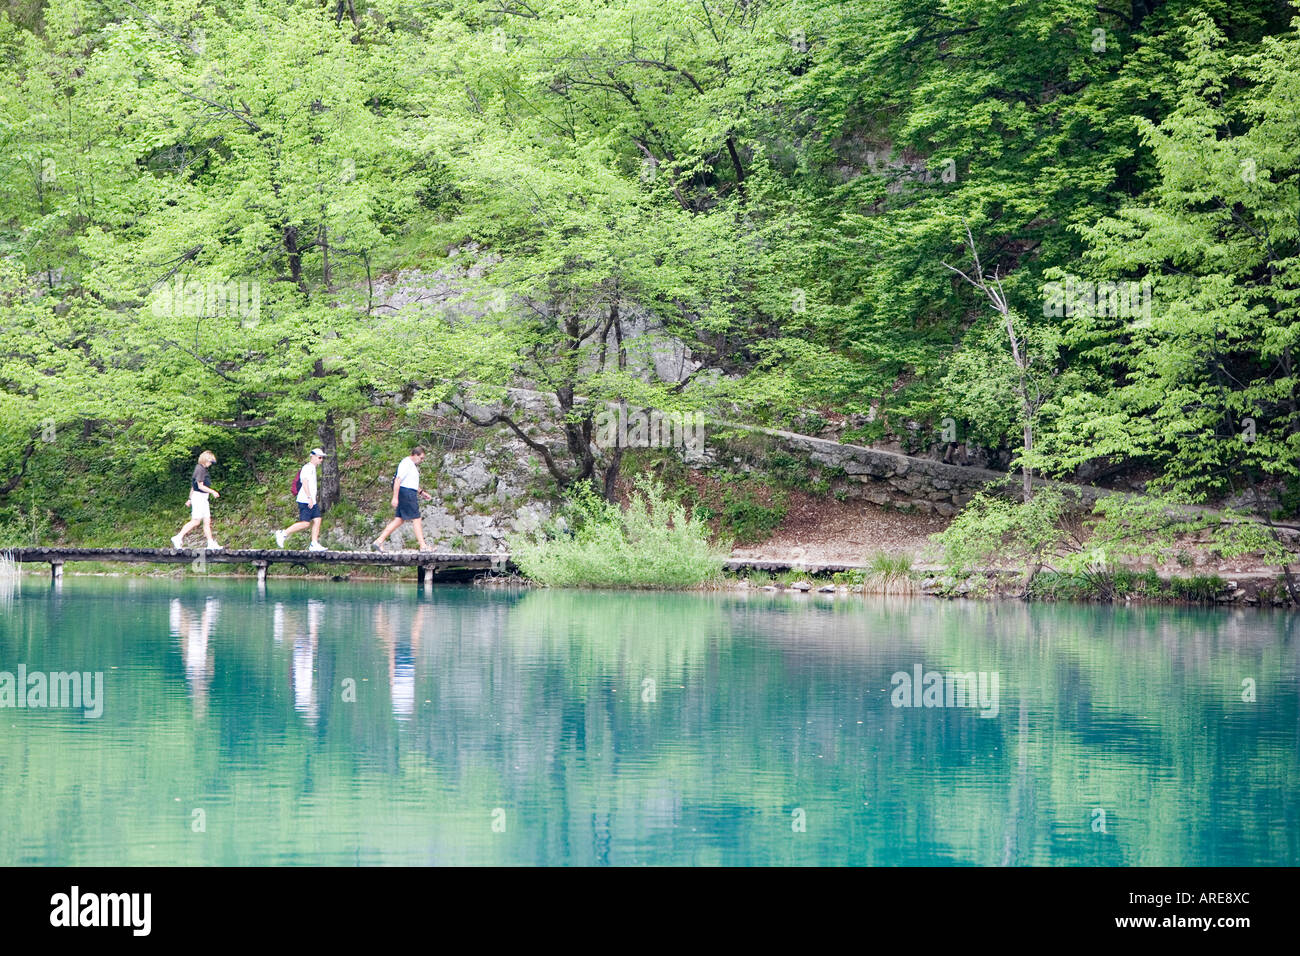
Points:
x=652, y=543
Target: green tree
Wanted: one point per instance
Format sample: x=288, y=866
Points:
x=1205, y=389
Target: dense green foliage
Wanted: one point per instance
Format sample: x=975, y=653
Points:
x=993, y=528
x=1092, y=552
x=651, y=543
x=201, y=200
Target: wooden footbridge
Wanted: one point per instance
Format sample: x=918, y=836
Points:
x=428, y=564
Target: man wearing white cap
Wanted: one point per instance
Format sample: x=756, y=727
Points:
x=308, y=505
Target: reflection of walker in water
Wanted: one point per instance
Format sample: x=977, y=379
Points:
x=401, y=658
x=193, y=631
x=302, y=665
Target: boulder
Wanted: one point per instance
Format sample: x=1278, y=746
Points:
x=438, y=520
x=480, y=525
x=472, y=477
x=528, y=518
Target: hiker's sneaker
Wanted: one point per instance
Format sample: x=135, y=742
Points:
x=316, y=546
x=178, y=542
x=213, y=546
x=376, y=546
x=279, y=540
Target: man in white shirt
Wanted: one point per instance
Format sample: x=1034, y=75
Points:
x=308, y=504
x=406, y=499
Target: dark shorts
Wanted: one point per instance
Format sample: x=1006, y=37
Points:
x=408, y=503
x=307, y=512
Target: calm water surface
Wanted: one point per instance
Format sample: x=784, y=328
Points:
x=327, y=723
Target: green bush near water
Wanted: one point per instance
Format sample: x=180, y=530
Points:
x=652, y=543
x=748, y=518
x=1146, y=585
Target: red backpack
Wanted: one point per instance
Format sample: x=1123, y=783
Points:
x=296, y=485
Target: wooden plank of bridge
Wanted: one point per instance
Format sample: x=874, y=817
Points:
x=270, y=556
x=426, y=563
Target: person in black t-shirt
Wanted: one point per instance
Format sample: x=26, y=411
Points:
x=200, y=512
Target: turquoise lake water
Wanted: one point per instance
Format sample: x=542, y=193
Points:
x=346, y=723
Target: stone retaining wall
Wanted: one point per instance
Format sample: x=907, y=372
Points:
x=926, y=486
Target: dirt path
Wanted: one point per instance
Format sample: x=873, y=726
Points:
x=822, y=530
x=818, y=530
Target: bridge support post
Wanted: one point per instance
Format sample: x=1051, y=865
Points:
x=56, y=573
x=261, y=572
x=422, y=575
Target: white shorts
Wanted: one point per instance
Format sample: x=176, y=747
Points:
x=199, y=505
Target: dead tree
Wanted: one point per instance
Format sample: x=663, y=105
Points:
x=1027, y=391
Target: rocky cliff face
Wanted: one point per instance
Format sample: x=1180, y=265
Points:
x=486, y=484
x=480, y=497
x=497, y=486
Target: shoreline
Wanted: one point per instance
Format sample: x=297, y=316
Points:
x=1254, y=590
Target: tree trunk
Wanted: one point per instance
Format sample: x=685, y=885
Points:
x=329, y=476
x=611, y=473
x=326, y=275
x=614, y=324
x=1030, y=574
x=737, y=166
x=1028, y=472
x=290, y=234
x=13, y=482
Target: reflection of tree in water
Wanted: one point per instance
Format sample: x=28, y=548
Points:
x=1123, y=702
x=1022, y=793
x=554, y=704
x=536, y=703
